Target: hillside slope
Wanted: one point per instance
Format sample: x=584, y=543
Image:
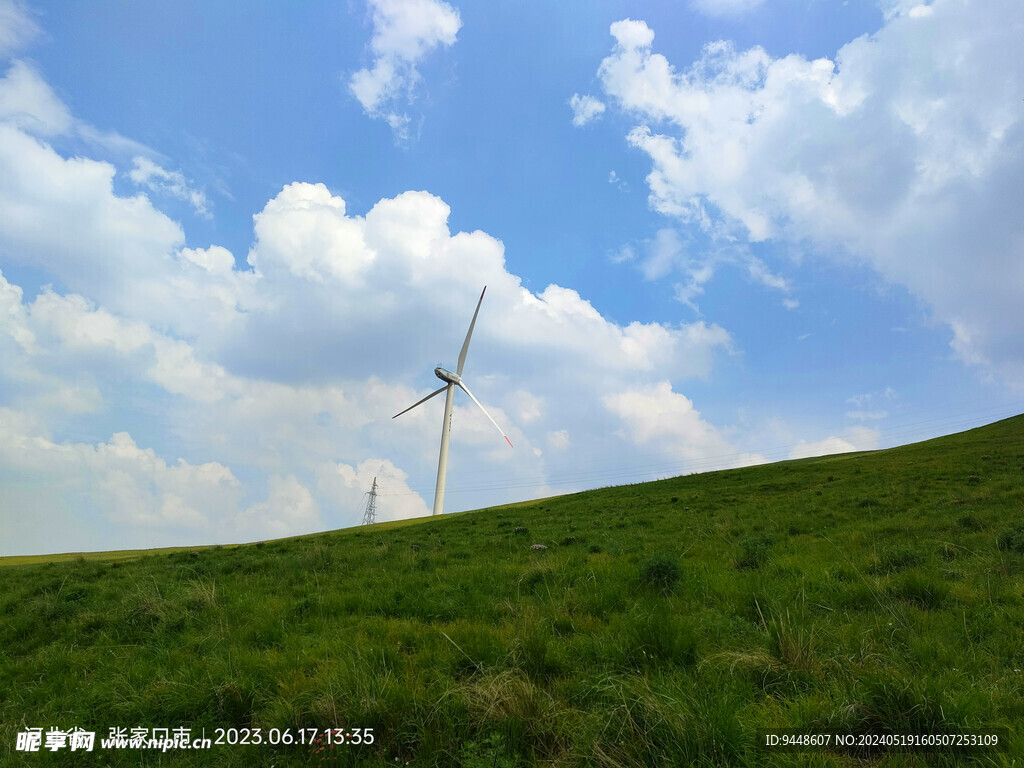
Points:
x=664, y=624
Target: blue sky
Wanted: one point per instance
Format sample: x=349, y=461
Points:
x=236, y=240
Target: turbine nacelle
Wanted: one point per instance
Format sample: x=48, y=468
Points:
x=448, y=376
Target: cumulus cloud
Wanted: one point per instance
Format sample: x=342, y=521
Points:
x=404, y=33
x=64, y=213
x=396, y=501
x=115, y=482
x=305, y=230
x=289, y=509
x=63, y=217
x=631, y=34
x=215, y=259
x=584, y=109
x=893, y=153
x=660, y=416
x=855, y=439
x=148, y=174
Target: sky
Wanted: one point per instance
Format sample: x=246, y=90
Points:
x=236, y=239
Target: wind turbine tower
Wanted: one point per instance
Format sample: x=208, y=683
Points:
x=452, y=380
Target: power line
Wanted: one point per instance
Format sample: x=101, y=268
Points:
x=923, y=429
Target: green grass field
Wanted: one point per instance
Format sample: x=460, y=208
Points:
x=665, y=624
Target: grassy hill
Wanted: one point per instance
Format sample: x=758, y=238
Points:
x=665, y=624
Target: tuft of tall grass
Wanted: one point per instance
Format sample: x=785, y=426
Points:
x=755, y=551
x=660, y=572
x=895, y=558
x=1011, y=539
x=921, y=589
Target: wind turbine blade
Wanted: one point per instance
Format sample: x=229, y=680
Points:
x=465, y=344
x=435, y=392
x=466, y=390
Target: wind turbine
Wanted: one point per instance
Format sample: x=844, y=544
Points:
x=452, y=380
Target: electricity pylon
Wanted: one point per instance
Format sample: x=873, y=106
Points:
x=370, y=514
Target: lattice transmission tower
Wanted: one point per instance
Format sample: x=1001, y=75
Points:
x=370, y=513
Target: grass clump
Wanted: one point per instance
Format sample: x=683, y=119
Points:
x=661, y=572
x=921, y=590
x=1011, y=539
x=895, y=558
x=755, y=551
x=970, y=523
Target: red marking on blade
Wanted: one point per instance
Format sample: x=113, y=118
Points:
x=508, y=441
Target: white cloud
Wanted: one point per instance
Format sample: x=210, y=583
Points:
x=826, y=447
x=584, y=109
x=855, y=439
x=61, y=216
x=17, y=27
x=404, y=33
x=289, y=509
x=863, y=401
x=895, y=153
x=28, y=102
x=305, y=229
x=658, y=415
x=724, y=8
x=118, y=480
x=214, y=259
x=632, y=34
x=664, y=253
x=348, y=486
x=63, y=211
x=559, y=440
x=527, y=407
x=624, y=254
x=148, y=174
x=912, y=8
